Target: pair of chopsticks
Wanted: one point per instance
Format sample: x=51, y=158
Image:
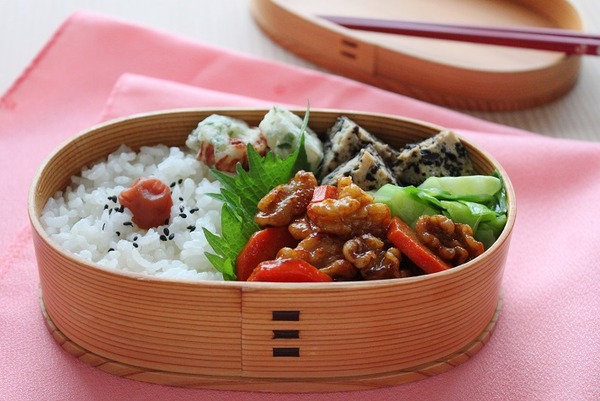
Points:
x=559, y=40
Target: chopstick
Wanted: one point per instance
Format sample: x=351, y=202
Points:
x=559, y=40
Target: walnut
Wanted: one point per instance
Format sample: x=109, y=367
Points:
x=301, y=228
x=453, y=242
x=341, y=270
x=385, y=267
x=362, y=251
x=353, y=213
x=286, y=201
x=318, y=249
x=368, y=254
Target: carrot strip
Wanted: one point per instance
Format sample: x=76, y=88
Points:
x=405, y=239
x=288, y=270
x=262, y=245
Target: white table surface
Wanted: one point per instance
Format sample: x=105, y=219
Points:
x=26, y=25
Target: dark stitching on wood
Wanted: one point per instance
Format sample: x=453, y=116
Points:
x=286, y=315
x=349, y=43
x=286, y=352
x=286, y=333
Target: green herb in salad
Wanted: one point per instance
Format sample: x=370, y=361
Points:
x=241, y=193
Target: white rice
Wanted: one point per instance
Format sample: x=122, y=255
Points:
x=85, y=220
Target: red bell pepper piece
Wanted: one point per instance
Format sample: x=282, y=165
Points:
x=405, y=239
x=288, y=270
x=262, y=245
x=323, y=192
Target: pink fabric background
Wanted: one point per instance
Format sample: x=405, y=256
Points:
x=546, y=344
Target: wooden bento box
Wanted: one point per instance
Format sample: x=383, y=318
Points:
x=261, y=336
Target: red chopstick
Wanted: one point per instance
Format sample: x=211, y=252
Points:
x=559, y=40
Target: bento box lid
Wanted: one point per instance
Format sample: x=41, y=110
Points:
x=454, y=74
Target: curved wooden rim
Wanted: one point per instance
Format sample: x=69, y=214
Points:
x=403, y=376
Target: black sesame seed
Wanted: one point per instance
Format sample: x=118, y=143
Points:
x=172, y=184
x=135, y=238
x=180, y=181
x=105, y=207
x=167, y=221
x=128, y=223
x=191, y=228
x=118, y=233
x=171, y=236
x=181, y=208
x=110, y=211
x=135, y=245
x=110, y=250
x=166, y=231
x=182, y=215
x=194, y=210
x=180, y=199
x=163, y=238
x=103, y=226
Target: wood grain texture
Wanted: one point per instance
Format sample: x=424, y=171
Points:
x=347, y=335
x=454, y=74
x=298, y=385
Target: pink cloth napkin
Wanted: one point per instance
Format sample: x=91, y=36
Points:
x=546, y=344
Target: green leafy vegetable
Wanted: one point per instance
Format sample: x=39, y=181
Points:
x=240, y=194
x=474, y=188
x=484, y=212
x=501, y=203
x=406, y=203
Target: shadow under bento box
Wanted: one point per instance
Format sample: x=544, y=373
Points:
x=296, y=337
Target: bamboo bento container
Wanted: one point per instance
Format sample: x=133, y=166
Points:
x=261, y=336
x=459, y=75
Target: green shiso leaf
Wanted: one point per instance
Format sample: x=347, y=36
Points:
x=240, y=194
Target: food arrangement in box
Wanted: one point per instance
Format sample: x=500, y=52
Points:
x=277, y=202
